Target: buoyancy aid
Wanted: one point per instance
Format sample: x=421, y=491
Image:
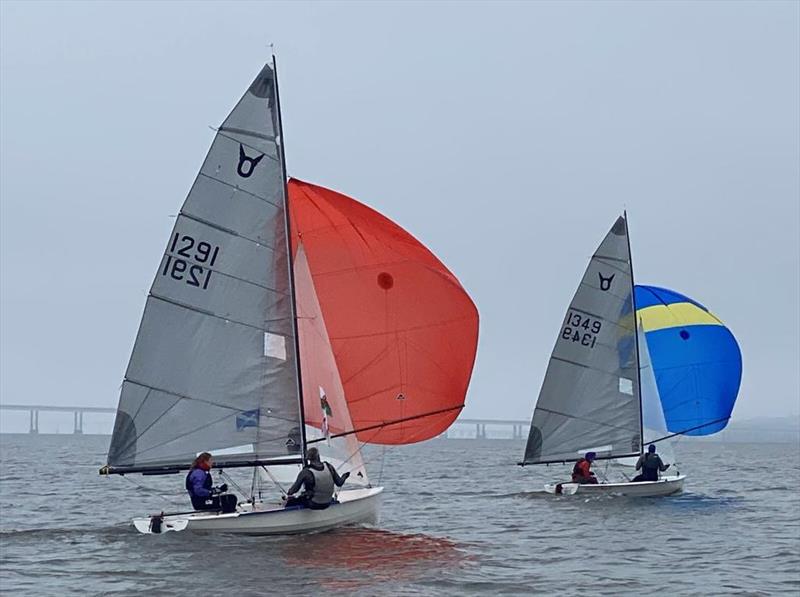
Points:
x=581, y=470
x=207, y=481
x=323, y=485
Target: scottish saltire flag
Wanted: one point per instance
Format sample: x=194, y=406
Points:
x=247, y=418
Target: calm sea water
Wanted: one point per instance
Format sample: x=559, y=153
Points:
x=458, y=518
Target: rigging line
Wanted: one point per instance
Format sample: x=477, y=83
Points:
x=169, y=498
x=389, y=423
x=597, y=289
x=661, y=439
x=225, y=476
x=404, y=329
x=224, y=230
x=577, y=364
x=238, y=131
x=274, y=480
x=191, y=431
x=236, y=409
x=239, y=189
x=141, y=404
x=221, y=133
x=584, y=419
x=206, y=313
x=226, y=319
x=177, y=437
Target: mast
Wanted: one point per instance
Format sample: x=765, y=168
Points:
x=635, y=328
x=290, y=258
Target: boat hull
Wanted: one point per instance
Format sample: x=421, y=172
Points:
x=355, y=506
x=664, y=486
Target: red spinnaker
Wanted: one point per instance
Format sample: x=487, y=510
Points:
x=402, y=330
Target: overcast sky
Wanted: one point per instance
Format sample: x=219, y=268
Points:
x=506, y=137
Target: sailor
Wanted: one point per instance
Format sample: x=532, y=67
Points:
x=319, y=479
x=650, y=464
x=203, y=494
x=582, y=471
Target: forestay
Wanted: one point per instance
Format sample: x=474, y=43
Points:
x=213, y=364
x=590, y=395
x=653, y=422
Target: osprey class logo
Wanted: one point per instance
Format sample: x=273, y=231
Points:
x=605, y=283
x=246, y=163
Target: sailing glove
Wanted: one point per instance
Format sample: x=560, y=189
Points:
x=223, y=488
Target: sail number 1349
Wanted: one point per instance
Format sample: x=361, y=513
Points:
x=580, y=328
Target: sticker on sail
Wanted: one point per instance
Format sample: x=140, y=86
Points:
x=626, y=386
x=274, y=346
x=247, y=418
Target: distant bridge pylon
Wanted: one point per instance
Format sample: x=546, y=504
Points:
x=77, y=411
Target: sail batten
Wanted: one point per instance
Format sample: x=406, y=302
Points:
x=589, y=399
x=214, y=358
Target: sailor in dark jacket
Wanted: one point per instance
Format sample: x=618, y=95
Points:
x=319, y=479
x=650, y=464
x=199, y=484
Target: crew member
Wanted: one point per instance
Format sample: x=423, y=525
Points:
x=201, y=488
x=582, y=471
x=319, y=479
x=650, y=464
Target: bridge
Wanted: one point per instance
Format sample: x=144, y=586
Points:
x=519, y=429
x=77, y=411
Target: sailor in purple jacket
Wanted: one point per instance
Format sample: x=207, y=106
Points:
x=200, y=486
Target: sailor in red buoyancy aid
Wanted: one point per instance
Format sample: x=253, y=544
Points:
x=582, y=471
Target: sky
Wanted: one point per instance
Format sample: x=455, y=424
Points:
x=507, y=137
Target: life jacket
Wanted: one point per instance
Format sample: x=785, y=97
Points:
x=323, y=485
x=651, y=462
x=207, y=481
x=581, y=469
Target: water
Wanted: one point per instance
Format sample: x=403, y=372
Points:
x=458, y=518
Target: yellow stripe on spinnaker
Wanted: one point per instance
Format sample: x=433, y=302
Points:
x=659, y=317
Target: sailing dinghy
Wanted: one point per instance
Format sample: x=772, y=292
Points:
x=591, y=398
x=282, y=315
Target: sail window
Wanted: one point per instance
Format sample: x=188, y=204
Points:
x=626, y=386
x=274, y=346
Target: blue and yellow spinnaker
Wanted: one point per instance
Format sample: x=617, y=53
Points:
x=696, y=360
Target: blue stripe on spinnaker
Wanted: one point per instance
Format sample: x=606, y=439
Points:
x=647, y=296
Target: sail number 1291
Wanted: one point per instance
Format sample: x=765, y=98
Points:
x=581, y=329
x=191, y=261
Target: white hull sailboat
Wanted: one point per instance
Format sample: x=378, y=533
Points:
x=285, y=315
x=664, y=486
x=591, y=397
x=601, y=392
x=352, y=507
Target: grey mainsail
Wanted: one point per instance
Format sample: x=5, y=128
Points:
x=213, y=366
x=590, y=395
